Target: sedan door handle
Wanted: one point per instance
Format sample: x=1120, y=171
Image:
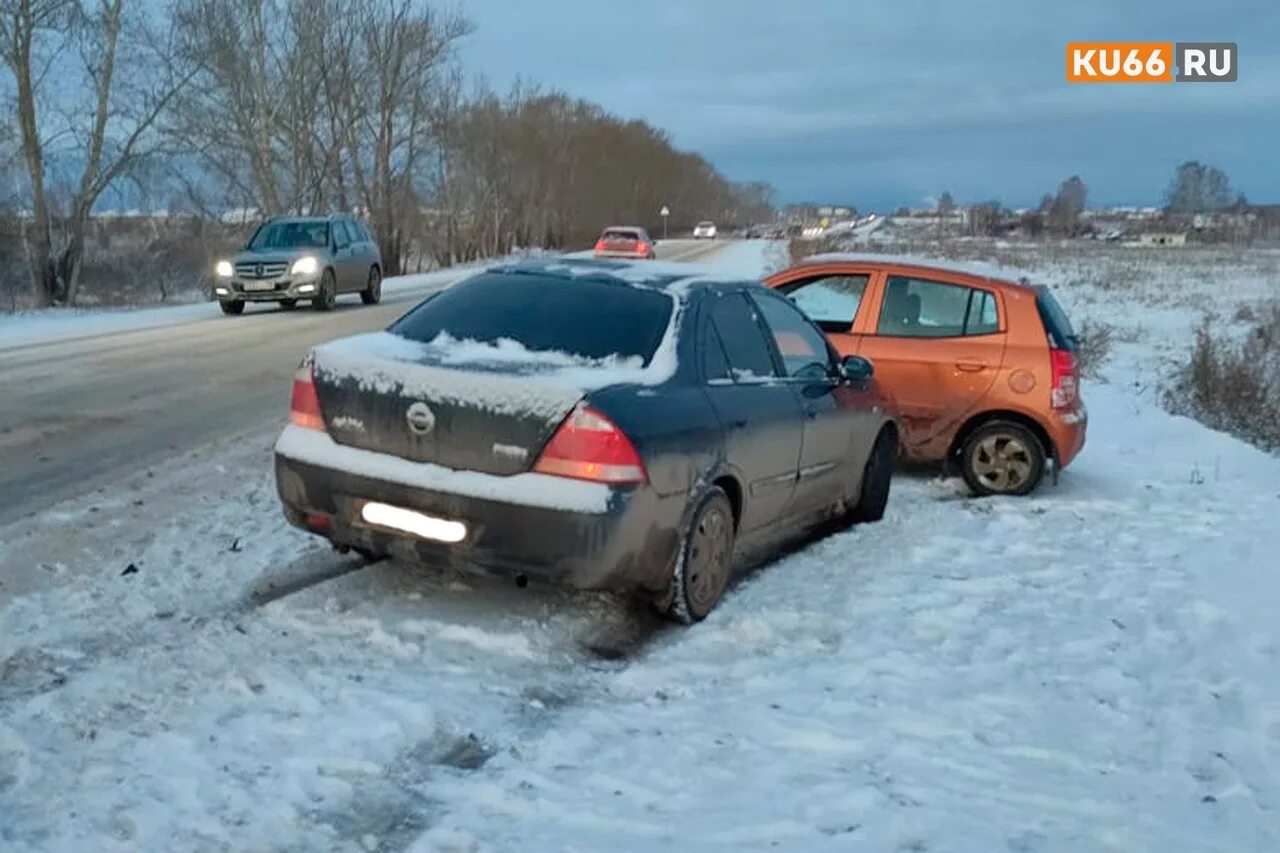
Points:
x=971, y=365
x=739, y=424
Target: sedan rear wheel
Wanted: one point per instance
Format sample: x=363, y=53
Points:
x=704, y=562
x=1002, y=458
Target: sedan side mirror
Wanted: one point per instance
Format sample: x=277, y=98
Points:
x=855, y=368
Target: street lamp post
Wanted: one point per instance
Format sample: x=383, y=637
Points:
x=665, y=212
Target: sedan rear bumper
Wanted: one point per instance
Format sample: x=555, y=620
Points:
x=626, y=542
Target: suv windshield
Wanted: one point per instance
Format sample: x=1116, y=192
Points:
x=1056, y=323
x=291, y=235
x=580, y=317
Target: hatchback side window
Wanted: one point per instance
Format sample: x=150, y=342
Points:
x=913, y=308
x=831, y=301
x=744, y=342
x=802, y=347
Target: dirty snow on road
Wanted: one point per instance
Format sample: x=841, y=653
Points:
x=1096, y=667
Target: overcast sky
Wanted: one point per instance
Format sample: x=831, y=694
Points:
x=886, y=103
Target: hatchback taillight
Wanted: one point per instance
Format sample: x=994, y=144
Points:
x=304, y=404
x=600, y=245
x=1064, y=391
x=589, y=446
x=642, y=248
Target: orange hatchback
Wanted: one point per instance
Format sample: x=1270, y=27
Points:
x=982, y=369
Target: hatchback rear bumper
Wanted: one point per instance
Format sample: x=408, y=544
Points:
x=1067, y=430
x=626, y=543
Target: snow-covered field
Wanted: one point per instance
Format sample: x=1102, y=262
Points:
x=1096, y=667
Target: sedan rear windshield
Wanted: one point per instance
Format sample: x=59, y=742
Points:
x=587, y=318
x=291, y=235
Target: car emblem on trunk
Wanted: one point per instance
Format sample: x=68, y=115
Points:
x=421, y=419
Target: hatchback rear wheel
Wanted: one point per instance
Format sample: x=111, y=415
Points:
x=1002, y=458
x=704, y=562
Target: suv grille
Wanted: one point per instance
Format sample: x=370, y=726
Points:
x=268, y=269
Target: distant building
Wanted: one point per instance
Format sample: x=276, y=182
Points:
x=1163, y=238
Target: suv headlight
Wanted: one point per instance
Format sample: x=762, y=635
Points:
x=224, y=269
x=305, y=266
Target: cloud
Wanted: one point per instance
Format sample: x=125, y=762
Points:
x=875, y=100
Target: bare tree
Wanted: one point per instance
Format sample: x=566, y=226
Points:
x=1067, y=205
x=125, y=63
x=1198, y=188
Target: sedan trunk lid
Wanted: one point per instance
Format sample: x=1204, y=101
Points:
x=422, y=402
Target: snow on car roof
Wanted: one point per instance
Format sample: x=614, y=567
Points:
x=671, y=276
x=981, y=269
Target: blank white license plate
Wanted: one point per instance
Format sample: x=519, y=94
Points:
x=411, y=521
x=259, y=285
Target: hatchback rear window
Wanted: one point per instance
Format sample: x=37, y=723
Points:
x=1056, y=323
x=580, y=317
x=621, y=235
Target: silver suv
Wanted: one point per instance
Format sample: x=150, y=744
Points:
x=293, y=258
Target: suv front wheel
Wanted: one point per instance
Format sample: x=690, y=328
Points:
x=1002, y=458
x=328, y=295
x=231, y=308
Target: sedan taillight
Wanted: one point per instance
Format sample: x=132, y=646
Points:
x=589, y=446
x=304, y=403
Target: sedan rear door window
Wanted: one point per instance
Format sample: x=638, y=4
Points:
x=744, y=342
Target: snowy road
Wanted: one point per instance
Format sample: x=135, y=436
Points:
x=89, y=399
x=1096, y=667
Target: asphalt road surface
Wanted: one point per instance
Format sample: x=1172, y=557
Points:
x=77, y=413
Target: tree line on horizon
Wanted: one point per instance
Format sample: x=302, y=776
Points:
x=1195, y=188
x=291, y=106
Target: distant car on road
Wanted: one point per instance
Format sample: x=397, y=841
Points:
x=587, y=421
x=982, y=368
x=705, y=230
x=301, y=258
x=626, y=241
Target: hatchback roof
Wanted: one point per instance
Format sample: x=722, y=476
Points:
x=979, y=269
